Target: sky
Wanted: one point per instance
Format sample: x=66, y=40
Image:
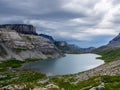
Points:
x=82, y=22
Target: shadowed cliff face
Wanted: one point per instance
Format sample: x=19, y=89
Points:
x=22, y=46
x=21, y=28
x=115, y=41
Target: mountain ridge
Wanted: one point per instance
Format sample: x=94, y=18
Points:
x=115, y=41
x=20, y=28
x=22, y=46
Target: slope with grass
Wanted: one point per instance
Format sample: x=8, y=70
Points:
x=26, y=80
x=108, y=53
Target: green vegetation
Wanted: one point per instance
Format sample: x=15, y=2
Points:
x=109, y=54
x=111, y=82
x=32, y=59
x=69, y=83
x=20, y=78
x=66, y=82
x=18, y=50
x=31, y=80
x=13, y=63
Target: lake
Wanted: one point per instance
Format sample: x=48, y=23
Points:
x=70, y=64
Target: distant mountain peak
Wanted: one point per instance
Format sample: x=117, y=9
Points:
x=115, y=41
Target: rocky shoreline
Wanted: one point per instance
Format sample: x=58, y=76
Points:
x=110, y=69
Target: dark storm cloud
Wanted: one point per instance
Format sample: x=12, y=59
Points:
x=61, y=15
x=79, y=20
x=28, y=7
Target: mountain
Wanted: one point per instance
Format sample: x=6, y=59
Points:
x=22, y=46
x=47, y=36
x=115, y=41
x=67, y=48
x=87, y=50
x=21, y=28
x=111, y=51
x=62, y=45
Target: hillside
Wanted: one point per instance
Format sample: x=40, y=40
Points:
x=111, y=51
x=115, y=41
x=21, y=46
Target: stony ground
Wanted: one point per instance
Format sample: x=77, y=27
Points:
x=104, y=77
x=111, y=69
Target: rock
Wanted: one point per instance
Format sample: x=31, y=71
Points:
x=64, y=46
x=47, y=36
x=61, y=43
x=50, y=86
x=43, y=81
x=115, y=41
x=93, y=88
x=21, y=28
x=100, y=87
x=22, y=46
x=110, y=69
x=62, y=89
x=13, y=87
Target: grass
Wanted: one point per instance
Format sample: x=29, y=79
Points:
x=109, y=54
x=68, y=83
x=18, y=50
x=21, y=77
x=31, y=78
x=32, y=59
x=111, y=82
x=13, y=63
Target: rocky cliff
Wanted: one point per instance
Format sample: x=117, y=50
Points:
x=115, y=41
x=21, y=28
x=67, y=48
x=23, y=46
x=47, y=36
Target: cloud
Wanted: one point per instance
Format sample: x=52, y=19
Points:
x=72, y=20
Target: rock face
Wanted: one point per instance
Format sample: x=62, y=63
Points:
x=47, y=36
x=64, y=46
x=22, y=46
x=115, y=41
x=67, y=48
x=21, y=28
x=61, y=43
